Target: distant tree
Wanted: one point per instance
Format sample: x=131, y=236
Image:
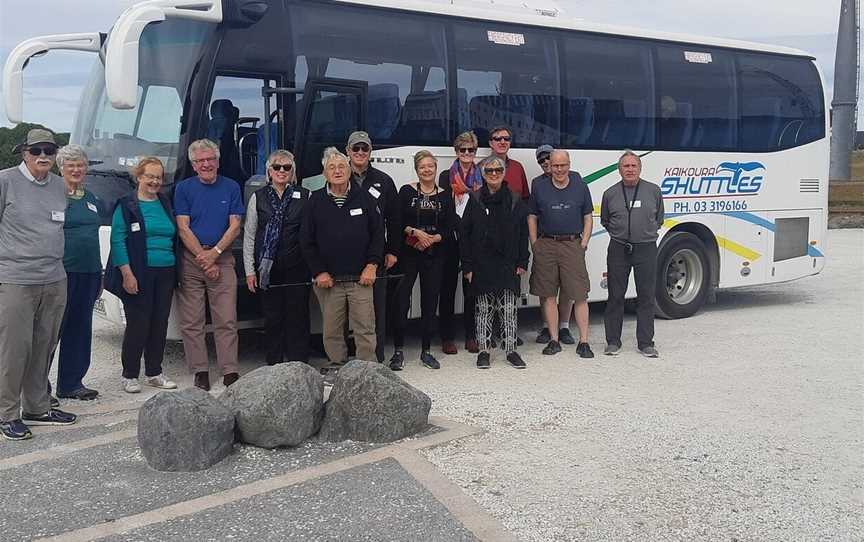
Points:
x=9, y=137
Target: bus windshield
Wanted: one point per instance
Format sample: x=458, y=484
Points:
x=114, y=138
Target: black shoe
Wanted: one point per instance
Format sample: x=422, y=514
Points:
x=52, y=417
x=552, y=348
x=516, y=360
x=202, y=380
x=429, y=361
x=483, y=360
x=565, y=336
x=544, y=336
x=229, y=379
x=15, y=430
x=584, y=351
x=55, y=403
x=82, y=394
x=397, y=361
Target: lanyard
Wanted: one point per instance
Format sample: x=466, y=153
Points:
x=629, y=207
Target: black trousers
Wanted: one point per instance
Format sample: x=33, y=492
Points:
x=450, y=275
x=286, y=317
x=147, y=322
x=643, y=261
x=429, y=268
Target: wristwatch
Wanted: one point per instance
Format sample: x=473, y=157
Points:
x=217, y=249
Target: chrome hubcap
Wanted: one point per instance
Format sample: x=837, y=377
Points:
x=684, y=276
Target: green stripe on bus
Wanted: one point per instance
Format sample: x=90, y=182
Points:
x=600, y=173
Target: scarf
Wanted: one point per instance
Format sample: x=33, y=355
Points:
x=500, y=207
x=272, y=234
x=472, y=182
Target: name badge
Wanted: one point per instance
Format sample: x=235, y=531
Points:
x=92, y=207
x=295, y=195
x=355, y=212
x=58, y=216
x=375, y=194
x=135, y=226
x=637, y=204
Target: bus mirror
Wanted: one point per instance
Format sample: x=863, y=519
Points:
x=244, y=13
x=13, y=71
x=121, y=57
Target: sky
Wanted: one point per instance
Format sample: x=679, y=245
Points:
x=53, y=83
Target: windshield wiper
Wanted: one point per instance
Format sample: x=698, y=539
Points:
x=125, y=175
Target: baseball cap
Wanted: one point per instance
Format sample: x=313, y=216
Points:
x=34, y=137
x=544, y=149
x=359, y=137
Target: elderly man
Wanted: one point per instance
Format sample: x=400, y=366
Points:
x=381, y=187
x=209, y=209
x=561, y=208
x=32, y=286
x=632, y=213
x=342, y=238
x=500, y=139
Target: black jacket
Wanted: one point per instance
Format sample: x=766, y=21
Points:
x=381, y=187
x=289, y=255
x=342, y=241
x=136, y=245
x=493, y=271
x=444, y=222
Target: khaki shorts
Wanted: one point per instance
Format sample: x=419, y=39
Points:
x=559, y=267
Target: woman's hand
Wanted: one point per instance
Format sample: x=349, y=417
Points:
x=251, y=282
x=468, y=276
x=130, y=283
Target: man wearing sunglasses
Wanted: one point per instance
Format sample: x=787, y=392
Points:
x=381, y=187
x=500, y=139
x=32, y=285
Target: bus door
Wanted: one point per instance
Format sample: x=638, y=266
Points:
x=331, y=109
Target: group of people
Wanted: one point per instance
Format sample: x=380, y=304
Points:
x=358, y=244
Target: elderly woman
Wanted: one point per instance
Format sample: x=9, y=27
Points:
x=494, y=247
x=427, y=218
x=142, y=273
x=274, y=263
x=83, y=274
x=459, y=181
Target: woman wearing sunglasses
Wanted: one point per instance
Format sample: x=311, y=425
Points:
x=427, y=218
x=459, y=181
x=493, y=241
x=274, y=263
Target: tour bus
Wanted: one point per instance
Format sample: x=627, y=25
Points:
x=734, y=133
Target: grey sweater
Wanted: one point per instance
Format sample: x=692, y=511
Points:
x=31, y=228
x=646, y=217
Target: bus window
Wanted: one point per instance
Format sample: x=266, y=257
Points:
x=508, y=77
x=698, y=102
x=610, y=93
x=160, y=103
x=782, y=103
x=405, y=67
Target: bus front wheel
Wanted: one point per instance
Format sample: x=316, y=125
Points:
x=683, y=276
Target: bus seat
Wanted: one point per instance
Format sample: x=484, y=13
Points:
x=676, y=130
x=263, y=153
x=383, y=110
x=627, y=130
x=579, y=120
x=254, y=183
x=220, y=129
x=513, y=110
x=424, y=116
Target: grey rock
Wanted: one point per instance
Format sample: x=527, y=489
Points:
x=187, y=430
x=369, y=403
x=277, y=406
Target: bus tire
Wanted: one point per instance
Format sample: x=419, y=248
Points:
x=683, y=276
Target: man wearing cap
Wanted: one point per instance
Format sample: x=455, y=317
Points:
x=32, y=285
x=542, y=155
x=500, y=139
x=559, y=228
x=381, y=187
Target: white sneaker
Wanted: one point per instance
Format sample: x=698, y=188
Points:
x=131, y=385
x=161, y=382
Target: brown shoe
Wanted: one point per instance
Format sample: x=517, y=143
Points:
x=449, y=348
x=202, y=380
x=471, y=346
x=230, y=378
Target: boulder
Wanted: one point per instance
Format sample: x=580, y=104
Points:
x=186, y=430
x=275, y=406
x=370, y=403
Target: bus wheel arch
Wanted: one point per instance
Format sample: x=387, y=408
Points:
x=688, y=266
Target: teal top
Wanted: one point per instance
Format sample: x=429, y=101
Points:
x=160, y=235
x=81, y=234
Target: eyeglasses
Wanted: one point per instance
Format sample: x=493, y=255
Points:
x=39, y=151
x=559, y=166
x=501, y=138
x=150, y=177
x=205, y=160
x=282, y=167
x=467, y=150
x=493, y=170
x=543, y=159
x=360, y=147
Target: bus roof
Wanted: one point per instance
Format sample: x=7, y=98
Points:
x=539, y=14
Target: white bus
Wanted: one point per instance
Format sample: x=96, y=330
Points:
x=733, y=132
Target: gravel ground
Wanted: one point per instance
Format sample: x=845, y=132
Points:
x=748, y=427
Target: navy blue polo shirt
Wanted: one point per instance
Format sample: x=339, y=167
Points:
x=208, y=206
x=561, y=211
